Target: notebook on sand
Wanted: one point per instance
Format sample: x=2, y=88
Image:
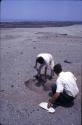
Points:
x=44, y=106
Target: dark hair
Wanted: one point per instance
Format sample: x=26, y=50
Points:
x=40, y=60
x=57, y=68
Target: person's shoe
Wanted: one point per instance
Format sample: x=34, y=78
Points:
x=50, y=77
x=36, y=76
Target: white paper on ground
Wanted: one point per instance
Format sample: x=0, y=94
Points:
x=44, y=106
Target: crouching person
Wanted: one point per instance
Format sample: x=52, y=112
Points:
x=65, y=89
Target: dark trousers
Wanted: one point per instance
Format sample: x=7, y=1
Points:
x=64, y=98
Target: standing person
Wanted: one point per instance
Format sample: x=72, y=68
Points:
x=65, y=90
x=44, y=60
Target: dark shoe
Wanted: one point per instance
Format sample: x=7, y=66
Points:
x=37, y=76
x=50, y=77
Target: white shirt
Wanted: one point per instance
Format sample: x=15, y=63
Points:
x=48, y=58
x=67, y=81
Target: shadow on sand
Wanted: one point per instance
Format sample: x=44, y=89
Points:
x=39, y=82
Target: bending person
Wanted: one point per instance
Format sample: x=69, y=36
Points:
x=44, y=60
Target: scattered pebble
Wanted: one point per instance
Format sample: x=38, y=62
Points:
x=66, y=61
x=33, y=110
x=34, y=47
x=12, y=86
x=21, y=53
x=64, y=34
x=2, y=90
x=33, y=41
x=37, y=109
x=18, y=73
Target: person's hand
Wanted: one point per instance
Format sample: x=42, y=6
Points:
x=35, y=68
x=49, y=105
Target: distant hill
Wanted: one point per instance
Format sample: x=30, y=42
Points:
x=33, y=24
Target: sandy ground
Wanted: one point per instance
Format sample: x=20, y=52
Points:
x=20, y=92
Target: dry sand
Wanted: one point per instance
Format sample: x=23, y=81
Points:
x=20, y=93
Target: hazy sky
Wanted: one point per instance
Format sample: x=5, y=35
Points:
x=51, y=10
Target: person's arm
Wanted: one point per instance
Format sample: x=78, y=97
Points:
x=45, y=71
x=35, y=65
x=53, y=99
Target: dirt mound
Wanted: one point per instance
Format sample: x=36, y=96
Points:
x=39, y=85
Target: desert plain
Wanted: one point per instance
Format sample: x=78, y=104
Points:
x=20, y=92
